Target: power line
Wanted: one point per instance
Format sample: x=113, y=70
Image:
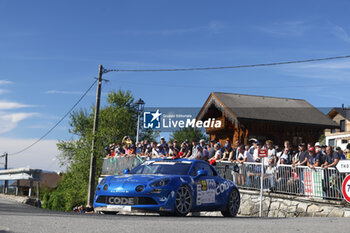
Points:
x=223, y=87
x=230, y=67
x=49, y=131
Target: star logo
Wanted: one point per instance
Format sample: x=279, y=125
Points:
x=156, y=115
x=152, y=120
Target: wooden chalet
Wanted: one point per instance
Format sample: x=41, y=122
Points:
x=246, y=116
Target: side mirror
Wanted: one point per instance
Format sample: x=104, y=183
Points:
x=202, y=173
x=126, y=171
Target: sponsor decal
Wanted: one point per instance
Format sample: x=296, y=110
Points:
x=158, y=120
x=206, y=191
x=223, y=187
x=121, y=200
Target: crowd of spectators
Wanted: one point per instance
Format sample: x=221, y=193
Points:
x=311, y=155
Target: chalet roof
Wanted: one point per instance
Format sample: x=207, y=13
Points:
x=343, y=112
x=253, y=107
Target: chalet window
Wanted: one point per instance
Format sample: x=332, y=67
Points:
x=332, y=130
x=331, y=142
x=344, y=141
x=342, y=126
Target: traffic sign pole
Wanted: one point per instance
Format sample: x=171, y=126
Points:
x=261, y=186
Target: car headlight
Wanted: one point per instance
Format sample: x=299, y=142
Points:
x=103, y=181
x=160, y=182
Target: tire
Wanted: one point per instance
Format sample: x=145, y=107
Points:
x=110, y=212
x=233, y=204
x=183, y=201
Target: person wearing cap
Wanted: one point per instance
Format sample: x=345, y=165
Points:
x=205, y=149
x=313, y=159
x=228, y=153
x=188, y=149
x=148, y=151
x=199, y=154
x=253, y=147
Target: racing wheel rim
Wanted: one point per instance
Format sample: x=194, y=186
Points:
x=234, y=202
x=183, y=200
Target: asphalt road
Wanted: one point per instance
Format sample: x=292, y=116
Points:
x=16, y=217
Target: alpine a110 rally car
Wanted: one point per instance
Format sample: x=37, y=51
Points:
x=169, y=187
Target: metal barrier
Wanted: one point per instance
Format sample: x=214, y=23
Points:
x=300, y=180
x=116, y=165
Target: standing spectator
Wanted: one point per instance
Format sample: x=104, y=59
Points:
x=188, y=149
x=324, y=149
x=194, y=149
x=200, y=155
x=148, y=151
x=218, y=154
x=253, y=147
x=340, y=153
x=205, y=150
x=162, y=141
x=313, y=159
x=318, y=151
x=329, y=186
x=138, y=149
x=127, y=142
x=173, y=151
x=332, y=158
x=271, y=152
x=211, y=149
x=176, y=145
x=228, y=153
x=301, y=160
x=288, y=146
x=256, y=152
x=284, y=155
x=347, y=153
x=243, y=155
x=309, y=145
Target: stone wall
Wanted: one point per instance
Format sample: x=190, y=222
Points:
x=280, y=205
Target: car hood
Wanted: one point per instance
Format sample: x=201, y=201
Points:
x=131, y=179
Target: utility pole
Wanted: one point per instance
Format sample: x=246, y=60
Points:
x=91, y=190
x=5, y=188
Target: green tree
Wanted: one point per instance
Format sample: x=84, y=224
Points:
x=117, y=119
x=187, y=133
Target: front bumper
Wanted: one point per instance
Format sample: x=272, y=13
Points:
x=162, y=202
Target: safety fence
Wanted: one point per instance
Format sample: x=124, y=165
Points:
x=300, y=180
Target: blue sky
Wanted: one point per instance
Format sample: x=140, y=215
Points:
x=50, y=52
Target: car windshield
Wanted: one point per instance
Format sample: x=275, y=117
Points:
x=162, y=167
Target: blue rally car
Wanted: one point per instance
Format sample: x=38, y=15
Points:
x=169, y=187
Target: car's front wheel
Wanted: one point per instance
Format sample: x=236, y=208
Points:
x=233, y=204
x=183, y=201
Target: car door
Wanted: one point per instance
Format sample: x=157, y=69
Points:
x=205, y=187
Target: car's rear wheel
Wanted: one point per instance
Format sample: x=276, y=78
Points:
x=233, y=204
x=183, y=201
